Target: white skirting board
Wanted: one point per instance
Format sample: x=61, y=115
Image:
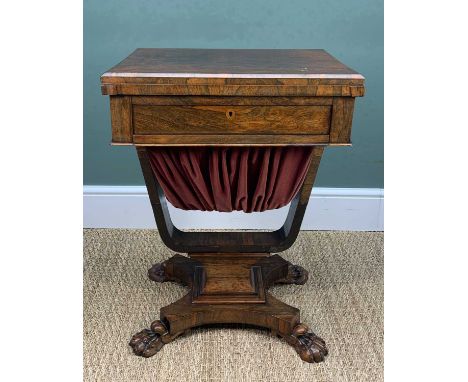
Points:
x=343, y=209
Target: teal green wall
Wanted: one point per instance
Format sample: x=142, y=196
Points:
x=350, y=30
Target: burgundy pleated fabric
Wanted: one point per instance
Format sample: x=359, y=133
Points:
x=230, y=178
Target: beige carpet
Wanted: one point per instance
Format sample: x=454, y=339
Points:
x=342, y=302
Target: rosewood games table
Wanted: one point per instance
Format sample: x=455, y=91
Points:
x=229, y=130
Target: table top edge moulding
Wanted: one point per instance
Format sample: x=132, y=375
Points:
x=224, y=72
x=219, y=122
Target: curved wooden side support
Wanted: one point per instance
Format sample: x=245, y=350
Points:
x=216, y=242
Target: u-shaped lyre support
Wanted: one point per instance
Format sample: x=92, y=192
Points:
x=274, y=241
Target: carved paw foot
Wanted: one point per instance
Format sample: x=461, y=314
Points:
x=296, y=275
x=149, y=341
x=158, y=273
x=309, y=346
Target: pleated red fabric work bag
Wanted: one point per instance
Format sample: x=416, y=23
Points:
x=249, y=179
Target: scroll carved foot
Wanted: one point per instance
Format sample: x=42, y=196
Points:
x=310, y=347
x=178, y=269
x=149, y=341
x=158, y=273
x=296, y=275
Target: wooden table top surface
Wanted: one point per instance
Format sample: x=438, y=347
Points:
x=232, y=63
x=232, y=72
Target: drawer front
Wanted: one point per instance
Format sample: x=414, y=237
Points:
x=225, y=119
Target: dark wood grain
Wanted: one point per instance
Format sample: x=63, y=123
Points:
x=229, y=288
x=322, y=90
x=232, y=101
x=231, y=119
x=342, y=120
x=228, y=279
x=219, y=97
x=224, y=72
x=229, y=140
x=121, y=119
x=247, y=63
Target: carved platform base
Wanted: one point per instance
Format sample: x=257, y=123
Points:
x=229, y=288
